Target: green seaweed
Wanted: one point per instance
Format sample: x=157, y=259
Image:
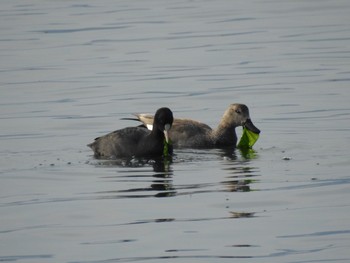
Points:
x=248, y=139
x=166, y=148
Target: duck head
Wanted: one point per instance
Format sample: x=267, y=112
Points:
x=238, y=115
x=163, y=120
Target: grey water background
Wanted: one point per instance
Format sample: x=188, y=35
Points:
x=70, y=70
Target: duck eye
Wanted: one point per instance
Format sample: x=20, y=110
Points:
x=238, y=111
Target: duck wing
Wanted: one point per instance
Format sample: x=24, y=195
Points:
x=184, y=132
x=120, y=143
x=181, y=125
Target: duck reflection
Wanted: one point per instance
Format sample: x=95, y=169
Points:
x=238, y=164
x=161, y=178
x=162, y=182
x=154, y=177
x=234, y=153
x=237, y=185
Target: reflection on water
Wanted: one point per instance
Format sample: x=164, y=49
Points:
x=246, y=153
x=242, y=214
x=162, y=182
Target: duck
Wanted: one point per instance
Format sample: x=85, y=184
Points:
x=133, y=142
x=188, y=133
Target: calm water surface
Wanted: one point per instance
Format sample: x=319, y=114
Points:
x=71, y=70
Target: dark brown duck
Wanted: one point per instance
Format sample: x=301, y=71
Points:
x=187, y=133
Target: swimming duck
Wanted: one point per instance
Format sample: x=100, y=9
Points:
x=187, y=133
x=136, y=141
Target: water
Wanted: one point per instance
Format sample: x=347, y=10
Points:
x=70, y=71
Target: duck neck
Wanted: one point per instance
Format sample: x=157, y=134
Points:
x=225, y=135
x=157, y=133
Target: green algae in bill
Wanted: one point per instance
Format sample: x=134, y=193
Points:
x=248, y=139
x=166, y=148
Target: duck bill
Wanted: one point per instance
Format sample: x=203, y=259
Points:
x=166, y=134
x=250, y=126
